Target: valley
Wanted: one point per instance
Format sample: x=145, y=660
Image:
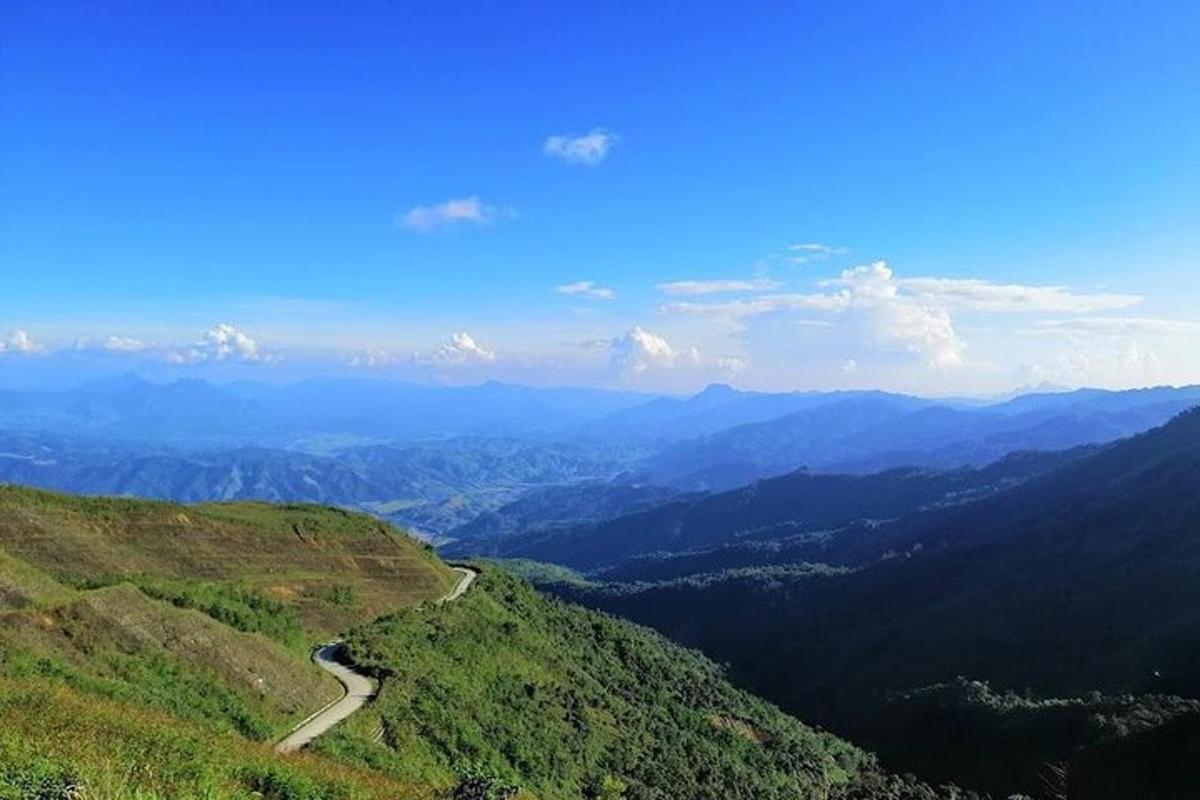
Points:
x=979, y=599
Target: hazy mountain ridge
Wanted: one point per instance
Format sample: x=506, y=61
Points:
x=432, y=485
x=769, y=510
x=873, y=432
x=193, y=412
x=435, y=458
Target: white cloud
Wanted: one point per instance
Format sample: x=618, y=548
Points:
x=371, y=358
x=850, y=366
x=898, y=322
x=225, y=342
x=911, y=315
x=438, y=216
x=718, y=286
x=808, y=252
x=1116, y=361
x=220, y=343
x=1111, y=351
x=19, y=341
x=730, y=366
x=591, y=148
x=971, y=294
x=123, y=344
x=1115, y=326
x=764, y=304
x=637, y=350
x=586, y=289
x=459, y=350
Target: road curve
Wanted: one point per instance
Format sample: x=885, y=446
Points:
x=358, y=688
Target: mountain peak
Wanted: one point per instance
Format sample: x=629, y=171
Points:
x=717, y=390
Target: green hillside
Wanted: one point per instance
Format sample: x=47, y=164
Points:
x=330, y=568
x=569, y=703
x=151, y=650
x=59, y=743
x=125, y=624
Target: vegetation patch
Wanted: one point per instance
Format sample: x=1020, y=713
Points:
x=568, y=703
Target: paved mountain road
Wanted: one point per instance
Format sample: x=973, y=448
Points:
x=358, y=687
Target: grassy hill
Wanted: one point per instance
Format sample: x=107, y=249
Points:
x=126, y=623
x=151, y=650
x=61, y=743
x=331, y=568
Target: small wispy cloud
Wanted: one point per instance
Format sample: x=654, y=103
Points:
x=371, y=358
x=718, y=286
x=808, y=252
x=590, y=148
x=586, y=289
x=451, y=213
x=123, y=344
x=1115, y=326
x=972, y=294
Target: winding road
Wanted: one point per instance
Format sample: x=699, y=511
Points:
x=358, y=688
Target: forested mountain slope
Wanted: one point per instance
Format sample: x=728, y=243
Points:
x=1086, y=578
x=764, y=511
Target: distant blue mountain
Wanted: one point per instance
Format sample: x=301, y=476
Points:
x=196, y=412
x=872, y=431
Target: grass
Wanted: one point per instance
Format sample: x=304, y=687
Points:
x=58, y=742
x=119, y=643
x=228, y=602
x=23, y=585
x=333, y=568
x=145, y=647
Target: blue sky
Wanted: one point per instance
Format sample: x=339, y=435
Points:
x=933, y=197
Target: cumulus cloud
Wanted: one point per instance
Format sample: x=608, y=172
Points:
x=912, y=315
x=718, y=286
x=638, y=350
x=222, y=342
x=590, y=148
x=1111, y=351
x=1116, y=360
x=586, y=289
x=898, y=322
x=449, y=214
x=19, y=341
x=460, y=349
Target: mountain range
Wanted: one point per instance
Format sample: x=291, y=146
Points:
x=1077, y=582
x=436, y=458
